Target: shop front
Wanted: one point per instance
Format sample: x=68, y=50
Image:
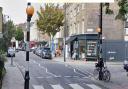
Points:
x=85, y=46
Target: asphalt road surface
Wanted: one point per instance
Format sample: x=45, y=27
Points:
x=49, y=74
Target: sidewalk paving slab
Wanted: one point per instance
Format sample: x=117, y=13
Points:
x=13, y=78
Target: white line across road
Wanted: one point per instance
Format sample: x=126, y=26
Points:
x=57, y=86
x=37, y=87
x=73, y=86
x=76, y=86
x=93, y=86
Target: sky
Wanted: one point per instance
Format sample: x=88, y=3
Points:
x=16, y=10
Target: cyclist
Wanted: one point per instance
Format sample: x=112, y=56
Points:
x=100, y=64
x=126, y=66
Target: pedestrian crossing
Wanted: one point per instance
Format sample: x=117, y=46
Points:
x=76, y=86
x=73, y=86
x=57, y=87
x=37, y=87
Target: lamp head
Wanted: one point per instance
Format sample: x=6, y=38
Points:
x=98, y=29
x=29, y=10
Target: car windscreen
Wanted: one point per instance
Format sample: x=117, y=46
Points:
x=46, y=49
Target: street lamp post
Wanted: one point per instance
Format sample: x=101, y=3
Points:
x=29, y=11
x=100, y=58
x=65, y=32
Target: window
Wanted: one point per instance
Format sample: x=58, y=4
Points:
x=74, y=28
x=83, y=6
x=78, y=9
x=91, y=48
x=83, y=27
x=78, y=26
x=75, y=11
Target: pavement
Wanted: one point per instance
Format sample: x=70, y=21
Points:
x=82, y=62
x=14, y=79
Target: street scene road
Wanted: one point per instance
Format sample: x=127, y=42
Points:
x=63, y=45
x=49, y=74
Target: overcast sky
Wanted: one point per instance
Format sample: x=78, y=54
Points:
x=16, y=10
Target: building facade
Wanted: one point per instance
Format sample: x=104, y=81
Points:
x=82, y=20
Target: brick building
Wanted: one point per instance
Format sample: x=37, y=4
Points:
x=82, y=20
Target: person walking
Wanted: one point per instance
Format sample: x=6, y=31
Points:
x=75, y=54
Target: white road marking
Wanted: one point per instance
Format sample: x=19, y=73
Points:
x=66, y=65
x=67, y=76
x=57, y=86
x=75, y=70
x=46, y=70
x=78, y=72
x=93, y=86
x=34, y=61
x=37, y=87
x=39, y=65
x=40, y=77
x=76, y=86
x=50, y=73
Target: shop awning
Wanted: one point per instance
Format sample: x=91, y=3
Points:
x=72, y=38
x=82, y=37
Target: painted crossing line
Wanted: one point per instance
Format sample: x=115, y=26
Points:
x=57, y=86
x=76, y=86
x=38, y=87
x=73, y=86
x=93, y=86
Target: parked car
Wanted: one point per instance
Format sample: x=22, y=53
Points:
x=46, y=53
x=38, y=51
x=11, y=52
x=34, y=51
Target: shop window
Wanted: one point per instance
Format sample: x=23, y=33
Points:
x=91, y=48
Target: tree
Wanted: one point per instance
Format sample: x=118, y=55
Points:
x=8, y=33
x=19, y=35
x=122, y=12
x=50, y=19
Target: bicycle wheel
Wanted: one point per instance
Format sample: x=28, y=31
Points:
x=106, y=75
x=96, y=73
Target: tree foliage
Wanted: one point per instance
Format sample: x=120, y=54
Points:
x=123, y=10
x=107, y=9
x=8, y=33
x=9, y=30
x=19, y=35
x=50, y=19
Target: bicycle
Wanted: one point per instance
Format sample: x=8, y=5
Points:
x=105, y=71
